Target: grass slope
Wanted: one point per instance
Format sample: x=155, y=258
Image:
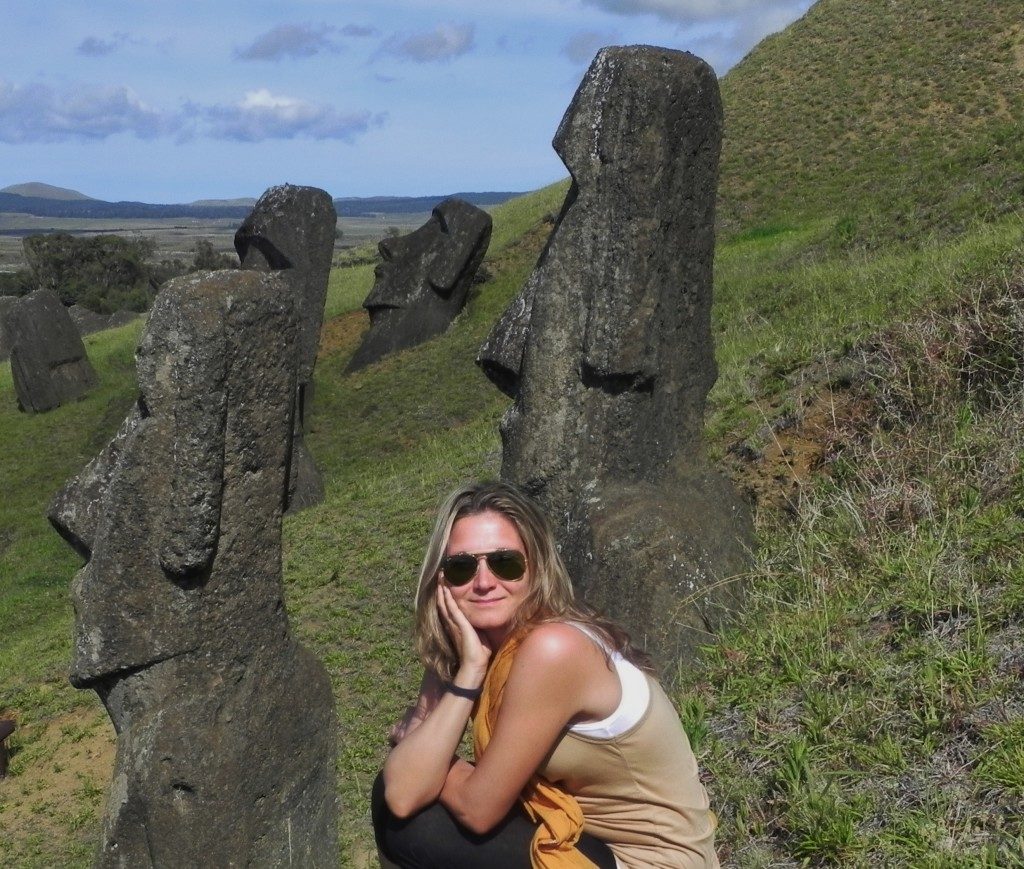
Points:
x=866, y=709
x=902, y=117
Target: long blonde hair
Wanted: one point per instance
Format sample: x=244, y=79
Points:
x=549, y=597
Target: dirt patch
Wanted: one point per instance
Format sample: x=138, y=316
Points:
x=802, y=428
x=1016, y=36
x=342, y=334
x=58, y=776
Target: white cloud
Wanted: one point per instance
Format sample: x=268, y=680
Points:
x=37, y=113
x=583, y=45
x=443, y=43
x=290, y=40
x=688, y=11
x=262, y=115
x=728, y=45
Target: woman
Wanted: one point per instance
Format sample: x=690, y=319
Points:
x=580, y=757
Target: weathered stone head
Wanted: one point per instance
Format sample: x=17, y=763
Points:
x=291, y=229
x=609, y=357
x=179, y=619
x=49, y=364
x=422, y=284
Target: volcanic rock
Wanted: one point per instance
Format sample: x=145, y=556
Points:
x=608, y=354
x=49, y=365
x=225, y=724
x=423, y=282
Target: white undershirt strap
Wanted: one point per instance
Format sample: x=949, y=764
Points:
x=636, y=695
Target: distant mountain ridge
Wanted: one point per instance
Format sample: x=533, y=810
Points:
x=371, y=206
x=47, y=201
x=39, y=190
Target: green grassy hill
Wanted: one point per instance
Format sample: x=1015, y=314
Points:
x=888, y=118
x=867, y=708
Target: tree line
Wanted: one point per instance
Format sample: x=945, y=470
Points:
x=104, y=273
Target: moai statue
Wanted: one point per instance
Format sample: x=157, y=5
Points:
x=291, y=229
x=6, y=302
x=49, y=365
x=225, y=724
x=609, y=357
x=423, y=282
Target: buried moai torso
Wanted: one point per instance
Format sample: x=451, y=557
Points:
x=609, y=357
x=225, y=751
x=291, y=229
x=49, y=365
x=423, y=282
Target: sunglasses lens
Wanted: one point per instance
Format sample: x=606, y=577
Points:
x=508, y=565
x=459, y=569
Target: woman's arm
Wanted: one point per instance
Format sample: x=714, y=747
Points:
x=431, y=689
x=418, y=765
x=558, y=675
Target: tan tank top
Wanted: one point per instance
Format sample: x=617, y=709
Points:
x=639, y=791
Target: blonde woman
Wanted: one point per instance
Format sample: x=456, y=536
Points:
x=580, y=759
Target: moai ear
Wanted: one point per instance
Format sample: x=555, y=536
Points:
x=618, y=353
x=447, y=265
x=465, y=234
x=197, y=411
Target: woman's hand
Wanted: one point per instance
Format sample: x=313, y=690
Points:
x=474, y=650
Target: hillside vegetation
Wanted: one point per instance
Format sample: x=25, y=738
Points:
x=890, y=117
x=867, y=707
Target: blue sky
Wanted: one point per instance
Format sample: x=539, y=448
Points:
x=173, y=102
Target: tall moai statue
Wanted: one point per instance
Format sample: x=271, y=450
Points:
x=291, y=229
x=608, y=355
x=424, y=279
x=49, y=365
x=225, y=724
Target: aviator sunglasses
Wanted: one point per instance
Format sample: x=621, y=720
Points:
x=507, y=564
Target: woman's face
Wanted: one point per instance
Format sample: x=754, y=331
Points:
x=487, y=601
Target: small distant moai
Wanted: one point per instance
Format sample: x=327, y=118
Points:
x=49, y=364
x=608, y=355
x=225, y=724
x=423, y=282
x=5, y=347
x=292, y=229
x=87, y=322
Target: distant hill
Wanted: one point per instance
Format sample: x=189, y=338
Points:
x=39, y=190
x=907, y=113
x=246, y=201
x=97, y=208
x=212, y=209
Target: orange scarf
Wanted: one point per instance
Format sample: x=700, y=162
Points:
x=558, y=813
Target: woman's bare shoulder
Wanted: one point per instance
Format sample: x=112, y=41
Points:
x=558, y=644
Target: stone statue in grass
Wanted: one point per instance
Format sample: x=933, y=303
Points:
x=49, y=365
x=291, y=229
x=424, y=279
x=225, y=724
x=608, y=355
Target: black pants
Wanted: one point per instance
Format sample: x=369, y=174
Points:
x=433, y=839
